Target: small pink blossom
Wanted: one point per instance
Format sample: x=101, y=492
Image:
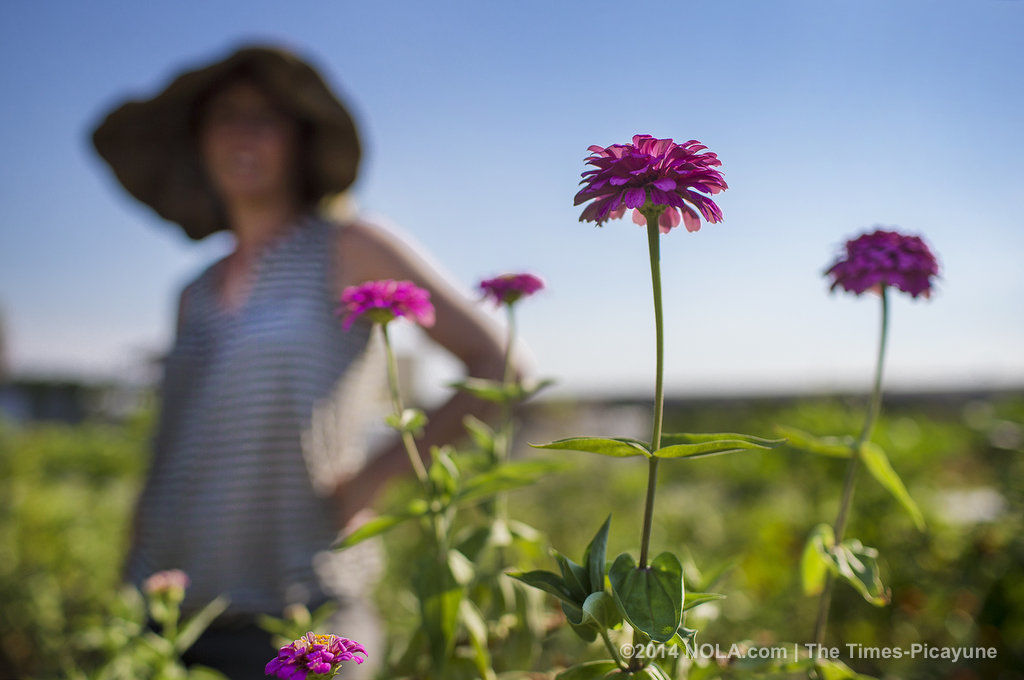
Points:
x=319, y=655
x=652, y=172
x=385, y=300
x=509, y=288
x=168, y=581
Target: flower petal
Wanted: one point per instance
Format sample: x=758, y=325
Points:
x=668, y=220
x=634, y=197
x=690, y=220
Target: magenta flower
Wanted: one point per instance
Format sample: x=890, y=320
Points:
x=320, y=655
x=508, y=288
x=385, y=300
x=652, y=172
x=170, y=581
x=885, y=258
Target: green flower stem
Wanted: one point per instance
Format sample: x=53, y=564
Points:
x=614, y=652
x=874, y=408
x=503, y=440
x=396, y=403
x=653, y=243
x=171, y=629
x=653, y=248
x=509, y=341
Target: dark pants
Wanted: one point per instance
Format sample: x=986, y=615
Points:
x=240, y=651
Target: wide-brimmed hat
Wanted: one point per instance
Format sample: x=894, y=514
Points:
x=150, y=143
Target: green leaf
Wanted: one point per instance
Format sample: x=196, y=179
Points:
x=499, y=392
x=696, y=599
x=852, y=561
x=817, y=559
x=617, y=447
x=524, y=532
x=476, y=629
x=594, y=558
x=548, y=582
x=532, y=387
x=408, y=662
x=591, y=670
x=600, y=610
x=480, y=432
x=695, y=445
x=442, y=471
x=574, y=616
x=440, y=596
x=651, y=598
x=378, y=525
x=506, y=477
x=878, y=465
x=487, y=390
x=836, y=447
x=574, y=576
x=652, y=672
x=837, y=670
x=410, y=420
x=686, y=638
x=462, y=569
x=194, y=627
x=858, y=564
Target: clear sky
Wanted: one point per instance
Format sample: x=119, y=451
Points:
x=829, y=117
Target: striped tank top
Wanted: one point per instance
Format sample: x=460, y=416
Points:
x=262, y=408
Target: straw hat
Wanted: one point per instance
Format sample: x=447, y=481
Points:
x=150, y=143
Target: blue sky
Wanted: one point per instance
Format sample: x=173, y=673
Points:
x=830, y=118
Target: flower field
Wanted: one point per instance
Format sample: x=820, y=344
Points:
x=66, y=493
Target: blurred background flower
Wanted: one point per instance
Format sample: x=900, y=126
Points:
x=885, y=258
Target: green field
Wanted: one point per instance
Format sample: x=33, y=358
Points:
x=66, y=494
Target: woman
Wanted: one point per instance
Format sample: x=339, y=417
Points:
x=252, y=144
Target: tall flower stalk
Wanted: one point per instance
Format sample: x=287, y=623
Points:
x=653, y=247
x=664, y=184
x=382, y=302
x=507, y=291
x=839, y=527
x=449, y=563
x=873, y=262
x=408, y=442
x=144, y=635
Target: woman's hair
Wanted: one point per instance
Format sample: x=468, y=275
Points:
x=308, y=193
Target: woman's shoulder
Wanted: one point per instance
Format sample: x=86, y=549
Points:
x=369, y=245
x=191, y=290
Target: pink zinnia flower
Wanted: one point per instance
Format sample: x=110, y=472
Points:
x=169, y=581
x=508, y=288
x=385, y=300
x=652, y=171
x=885, y=258
x=316, y=654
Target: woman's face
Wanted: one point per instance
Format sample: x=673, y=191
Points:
x=249, y=147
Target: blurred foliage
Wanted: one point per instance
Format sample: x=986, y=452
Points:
x=959, y=583
x=66, y=494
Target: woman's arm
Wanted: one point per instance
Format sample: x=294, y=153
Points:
x=133, y=532
x=366, y=252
